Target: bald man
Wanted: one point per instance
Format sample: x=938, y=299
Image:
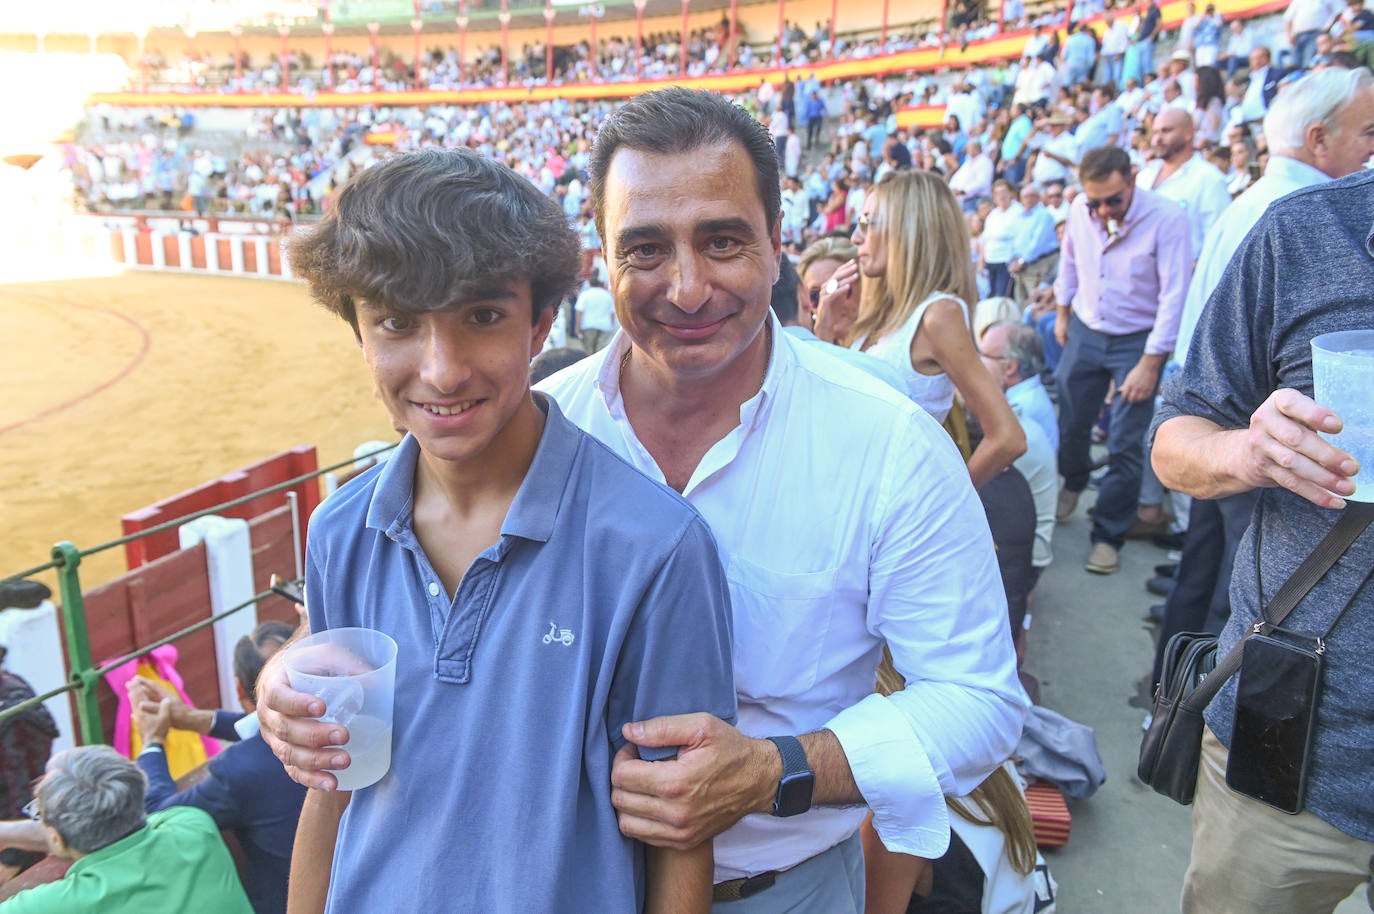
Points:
x=1177, y=172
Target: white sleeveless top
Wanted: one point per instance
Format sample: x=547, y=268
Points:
x=934, y=393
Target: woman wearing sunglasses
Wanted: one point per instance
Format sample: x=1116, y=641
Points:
x=917, y=281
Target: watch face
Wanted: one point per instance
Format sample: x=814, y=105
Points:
x=794, y=794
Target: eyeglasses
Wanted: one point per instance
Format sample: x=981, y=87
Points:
x=1111, y=202
x=32, y=811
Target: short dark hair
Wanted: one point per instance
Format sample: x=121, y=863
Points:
x=1101, y=163
x=426, y=230
x=248, y=653
x=677, y=120
x=785, y=292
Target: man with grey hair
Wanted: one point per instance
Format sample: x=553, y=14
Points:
x=1319, y=128
x=90, y=806
x=1013, y=353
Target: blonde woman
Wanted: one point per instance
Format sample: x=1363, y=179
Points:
x=917, y=278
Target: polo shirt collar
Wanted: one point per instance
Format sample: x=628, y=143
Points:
x=533, y=511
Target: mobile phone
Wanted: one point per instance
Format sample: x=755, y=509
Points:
x=289, y=589
x=1276, y=709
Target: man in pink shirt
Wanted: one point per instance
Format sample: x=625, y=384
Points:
x=1125, y=266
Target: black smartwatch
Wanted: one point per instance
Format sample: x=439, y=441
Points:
x=794, y=789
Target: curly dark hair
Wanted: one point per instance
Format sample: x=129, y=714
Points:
x=425, y=230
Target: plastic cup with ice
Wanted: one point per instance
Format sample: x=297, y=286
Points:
x=353, y=671
x=1343, y=379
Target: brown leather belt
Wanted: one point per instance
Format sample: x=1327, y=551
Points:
x=737, y=889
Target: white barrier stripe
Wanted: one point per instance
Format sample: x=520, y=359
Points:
x=211, y=253
x=130, y=246
x=159, y=252
x=236, y=255
x=260, y=246
x=184, y=252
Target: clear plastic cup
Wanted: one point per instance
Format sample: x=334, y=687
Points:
x=1343, y=379
x=353, y=670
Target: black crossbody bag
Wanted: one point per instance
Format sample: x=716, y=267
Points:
x=1192, y=676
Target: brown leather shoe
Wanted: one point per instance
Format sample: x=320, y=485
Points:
x=1103, y=559
x=1068, y=503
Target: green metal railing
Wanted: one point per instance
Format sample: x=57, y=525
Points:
x=85, y=675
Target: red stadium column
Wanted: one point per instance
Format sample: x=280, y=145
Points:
x=190, y=34
x=944, y=21
x=549, y=16
x=328, y=30
x=882, y=36
x=462, y=40
x=639, y=33
x=682, y=50
x=416, y=24
x=1068, y=12
x=505, y=43
x=284, y=31
x=1001, y=16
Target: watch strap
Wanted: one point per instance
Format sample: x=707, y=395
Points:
x=793, y=755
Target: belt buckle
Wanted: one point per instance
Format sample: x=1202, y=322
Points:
x=755, y=884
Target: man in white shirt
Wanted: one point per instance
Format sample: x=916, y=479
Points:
x=1056, y=154
x=1035, y=82
x=972, y=181
x=594, y=315
x=1116, y=38
x=1180, y=174
x=705, y=393
x=1303, y=21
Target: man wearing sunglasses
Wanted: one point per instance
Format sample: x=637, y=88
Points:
x=1125, y=265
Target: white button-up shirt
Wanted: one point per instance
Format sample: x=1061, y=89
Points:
x=1198, y=187
x=845, y=519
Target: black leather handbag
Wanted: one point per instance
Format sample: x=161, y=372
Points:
x=1192, y=676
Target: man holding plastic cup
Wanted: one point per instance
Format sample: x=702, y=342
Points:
x=1240, y=416
x=541, y=592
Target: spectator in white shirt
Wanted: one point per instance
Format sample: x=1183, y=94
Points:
x=1116, y=38
x=1179, y=173
x=594, y=315
x=1303, y=21
x=706, y=394
x=1238, y=45
x=973, y=181
x=1056, y=154
x=999, y=238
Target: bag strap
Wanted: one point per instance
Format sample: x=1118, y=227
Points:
x=1354, y=519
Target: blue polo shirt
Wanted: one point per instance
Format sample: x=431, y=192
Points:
x=602, y=602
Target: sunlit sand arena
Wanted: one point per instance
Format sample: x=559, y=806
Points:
x=122, y=390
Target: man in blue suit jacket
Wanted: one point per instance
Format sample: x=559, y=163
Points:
x=245, y=788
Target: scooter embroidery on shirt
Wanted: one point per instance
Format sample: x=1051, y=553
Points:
x=561, y=635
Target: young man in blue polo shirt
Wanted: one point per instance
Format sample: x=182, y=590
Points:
x=543, y=593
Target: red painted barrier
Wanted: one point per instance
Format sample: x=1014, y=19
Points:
x=273, y=471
